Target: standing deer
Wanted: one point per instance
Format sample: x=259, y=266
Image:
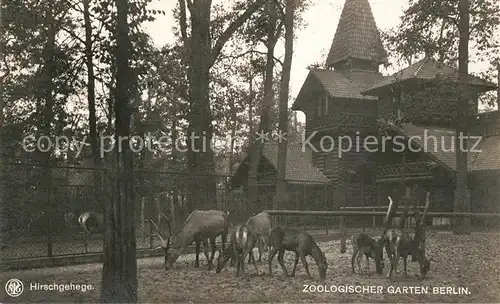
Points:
x=300, y=242
x=260, y=225
x=370, y=248
x=242, y=242
x=199, y=227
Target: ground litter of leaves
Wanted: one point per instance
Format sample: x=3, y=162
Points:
x=470, y=261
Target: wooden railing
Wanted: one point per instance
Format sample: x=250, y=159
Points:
x=343, y=214
x=378, y=213
x=416, y=169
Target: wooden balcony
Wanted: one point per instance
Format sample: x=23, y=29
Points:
x=355, y=121
x=411, y=171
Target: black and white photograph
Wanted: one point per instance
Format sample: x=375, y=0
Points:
x=250, y=151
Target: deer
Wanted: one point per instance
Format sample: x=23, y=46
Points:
x=260, y=225
x=362, y=244
x=90, y=222
x=399, y=244
x=243, y=240
x=200, y=226
x=302, y=243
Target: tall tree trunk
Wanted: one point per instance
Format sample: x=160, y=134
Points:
x=201, y=57
x=234, y=125
x=462, y=196
x=119, y=273
x=256, y=146
x=281, y=186
x=94, y=143
x=250, y=104
x=200, y=154
x=2, y=143
x=498, y=84
x=47, y=94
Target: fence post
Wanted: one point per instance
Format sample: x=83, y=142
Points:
x=326, y=226
x=423, y=235
x=173, y=211
x=150, y=236
x=373, y=219
x=49, y=216
x=143, y=219
x=342, y=235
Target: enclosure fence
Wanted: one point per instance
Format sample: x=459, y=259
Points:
x=37, y=198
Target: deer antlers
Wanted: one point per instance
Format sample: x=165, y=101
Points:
x=164, y=239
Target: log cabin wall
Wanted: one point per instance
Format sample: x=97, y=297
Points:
x=485, y=194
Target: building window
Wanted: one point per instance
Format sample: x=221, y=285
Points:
x=323, y=105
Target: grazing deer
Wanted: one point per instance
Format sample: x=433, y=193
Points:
x=199, y=227
x=370, y=248
x=260, y=225
x=398, y=243
x=242, y=242
x=91, y=222
x=302, y=244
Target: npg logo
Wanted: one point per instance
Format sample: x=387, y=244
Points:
x=14, y=287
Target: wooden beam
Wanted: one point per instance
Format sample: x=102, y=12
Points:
x=343, y=235
x=399, y=179
x=371, y=208
x=380, y=213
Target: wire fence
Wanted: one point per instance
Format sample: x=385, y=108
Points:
x=36, y=199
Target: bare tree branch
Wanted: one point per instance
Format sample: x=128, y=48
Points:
x=232, y=28
x=190, y=6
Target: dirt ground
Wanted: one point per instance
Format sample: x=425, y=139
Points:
x=471, y=263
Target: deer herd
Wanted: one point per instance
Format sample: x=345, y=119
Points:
x=203, y=227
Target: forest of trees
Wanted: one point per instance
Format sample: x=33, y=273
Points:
x=87, y=70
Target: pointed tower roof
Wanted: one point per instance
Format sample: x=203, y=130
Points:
x=357, y=35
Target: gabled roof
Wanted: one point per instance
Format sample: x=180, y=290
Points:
x=425, y=69
x=484, y=156
x=338, y=84
x=357, y=35
x=299, y=167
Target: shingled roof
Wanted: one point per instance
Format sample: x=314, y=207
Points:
x=299, y=167
x=425, y=69
x=338, y=84
x=486, y=155
x=357, y=35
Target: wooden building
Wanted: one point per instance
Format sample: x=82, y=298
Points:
x=307, y=187
x=351, y=108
